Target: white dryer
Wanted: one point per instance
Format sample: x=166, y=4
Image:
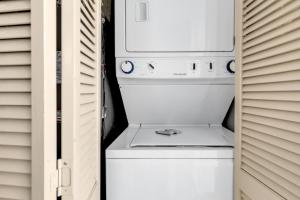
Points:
x=174, y=64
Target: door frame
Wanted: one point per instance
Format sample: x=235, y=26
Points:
x=43, y=97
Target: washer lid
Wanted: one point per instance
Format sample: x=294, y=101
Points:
x=183, y=136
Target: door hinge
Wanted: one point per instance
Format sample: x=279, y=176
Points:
x=63, y=177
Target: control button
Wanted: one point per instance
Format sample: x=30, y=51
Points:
x=151, y=66
x=231, y=66
x=127, y=67
x=210, y=66
x=194, y=66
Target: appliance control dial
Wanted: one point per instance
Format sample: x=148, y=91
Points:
x=231, y=66
x=151, y=67
x=127, y=67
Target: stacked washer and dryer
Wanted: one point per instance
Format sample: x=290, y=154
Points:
x=175, y=69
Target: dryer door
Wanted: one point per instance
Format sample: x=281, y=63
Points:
x=176, y=25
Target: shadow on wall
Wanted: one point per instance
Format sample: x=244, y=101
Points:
x=115, y=121
x=229, y=119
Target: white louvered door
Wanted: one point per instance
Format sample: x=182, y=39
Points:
x=81, y=97
x=268, y=100
x=27, y=100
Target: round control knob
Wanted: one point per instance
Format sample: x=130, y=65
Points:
x=231, y=66
x=127, y=67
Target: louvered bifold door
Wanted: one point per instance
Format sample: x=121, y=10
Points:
x=80, y=98
x=27, y=100
x=268, y=100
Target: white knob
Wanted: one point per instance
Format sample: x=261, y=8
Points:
x=127, y=67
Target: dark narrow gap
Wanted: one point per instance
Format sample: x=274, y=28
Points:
x=58, y=78
x=228, y=121
x=114, y=120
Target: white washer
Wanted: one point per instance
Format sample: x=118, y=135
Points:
x=195, y=164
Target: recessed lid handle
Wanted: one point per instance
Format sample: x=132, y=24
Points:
x=168, y=132
x=141, y=11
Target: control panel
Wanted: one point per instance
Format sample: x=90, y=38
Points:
x=163, y=68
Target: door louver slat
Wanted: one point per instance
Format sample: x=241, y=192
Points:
x=87, y=13
x=270, y=53
x=278, y=59
x=280, y=124
x=271, y=157
x=268, y=10
x=15, y=112
x=272, y=78
x=286, y=136
x=13, y=58
x=255, y=5
x=275, y=114
x=272, y=26
x=284, y=10
x=273, y=69
x=87, y=70
x=280, y=31
x=87, y=34
x=277, y=96
x=244, y=196
x=12, y=32
x=15, y=166
x=12, y=19
x=15, y=180
x=246, y=3
x=269, y=178
x=86, y=39
x=275, y=105
x=279, y=41
x=13, y=192
x=269, y=87
x=268, y=139
x=15, y=100
x=15, y=139
x=275, y=141
x=15, y=152
x=15, y=72
x=14, y=6
x=15, y=85
x=289, y=178
x=14, y=45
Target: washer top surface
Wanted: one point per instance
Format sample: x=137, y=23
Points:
x=141, y=142
x=182, y=136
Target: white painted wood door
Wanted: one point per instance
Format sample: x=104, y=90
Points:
x=27, y=99
x=81, y=98
x=268, y=100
